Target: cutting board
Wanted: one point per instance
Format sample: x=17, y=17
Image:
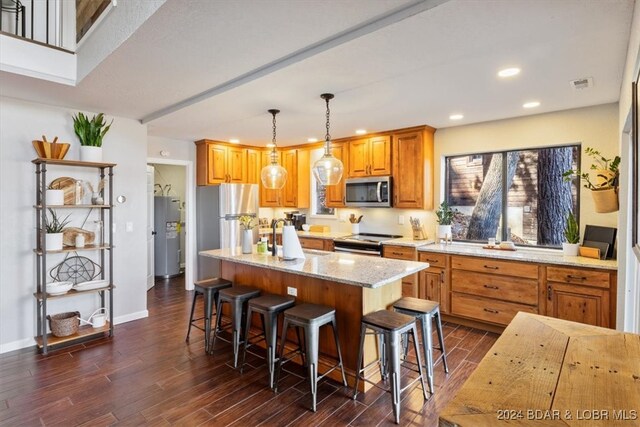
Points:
x=68, y=185
x=317, y=228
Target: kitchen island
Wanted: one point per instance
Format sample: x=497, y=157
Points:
x=353, y=284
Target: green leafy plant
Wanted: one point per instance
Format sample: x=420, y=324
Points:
x=55, y=225
x=91, y=132
x=246, y=222
x=445, y=214
x=572, y=231
x=607, y=170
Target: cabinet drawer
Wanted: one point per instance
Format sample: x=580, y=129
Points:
x=399, y=252
x=307, y=243
x=486, y=310
x=434, y=260
x=493, y=286
x=599, y=279
x=488, y=265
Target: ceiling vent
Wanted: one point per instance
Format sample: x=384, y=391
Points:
x=580, y=84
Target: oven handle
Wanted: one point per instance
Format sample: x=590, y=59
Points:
x=379, y=191
x=356, y=251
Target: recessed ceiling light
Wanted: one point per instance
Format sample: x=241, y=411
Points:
x=361, y=131
x=531, y=104
x=509, y=72
x=270, y=145
x=312, y=139
x=234, y=140
x=456, y=117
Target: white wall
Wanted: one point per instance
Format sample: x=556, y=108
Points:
x=125, y=144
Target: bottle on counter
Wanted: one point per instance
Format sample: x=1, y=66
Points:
x=262, y=245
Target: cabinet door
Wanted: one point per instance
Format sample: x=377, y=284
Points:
x=578, y=304
x=269, y=198
x=335, y=193
x=236, y=165
x=380, y=155
x=216, y=164
x=408, y=171
x=358, y=157
x=290, y=190
x=253, y=166
x=430, y=287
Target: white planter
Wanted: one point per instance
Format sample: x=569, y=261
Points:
x=444, y=231
x=55, y=197
x=570, y=249
x=53, y=241
x=247, y=241
x=355, y=228
x=90, y=154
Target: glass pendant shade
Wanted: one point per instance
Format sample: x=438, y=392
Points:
x=273, y=176
x=328, y=170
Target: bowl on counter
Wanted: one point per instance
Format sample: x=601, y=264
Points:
x=306, y=227
x=507, y=245
x=59, y=288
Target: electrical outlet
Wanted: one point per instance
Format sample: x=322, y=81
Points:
x=400, y=219
x=343, y=217
x=292, y=291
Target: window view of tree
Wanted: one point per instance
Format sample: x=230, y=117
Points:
x=515, y=195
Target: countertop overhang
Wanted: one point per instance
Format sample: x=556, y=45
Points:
x=355, y=270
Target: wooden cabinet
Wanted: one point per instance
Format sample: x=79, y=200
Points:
x=413, y=169
x=295, y=192
x=315, y=243
x=217, y=163
x=370, y=156
x=268, y=197
x=409, y=283
x=581, y=295
x=335, y=193
x=433, y=283
x=254, y=166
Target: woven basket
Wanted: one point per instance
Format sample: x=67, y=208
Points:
x=605, y=200
x=64, y=324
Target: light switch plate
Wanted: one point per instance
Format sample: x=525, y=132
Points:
x=400, y=219
x=292, y=291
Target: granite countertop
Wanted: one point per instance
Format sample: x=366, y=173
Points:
x=350, y=269
x=330, y=235
x=406, y=241
x=526, y=255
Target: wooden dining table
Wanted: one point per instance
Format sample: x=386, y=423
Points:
x=544, y=371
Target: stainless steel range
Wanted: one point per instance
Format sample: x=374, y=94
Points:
x=363, y=243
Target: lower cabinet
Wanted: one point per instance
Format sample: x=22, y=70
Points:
x=433, y=283
x=409, y=283
x=316, y=243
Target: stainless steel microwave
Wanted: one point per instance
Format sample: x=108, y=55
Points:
x=373, y=192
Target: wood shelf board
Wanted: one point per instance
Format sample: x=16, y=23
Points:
x=40, y=160
x=72, y=292
x=74, y=249
x=85, y=331
x=74, y=206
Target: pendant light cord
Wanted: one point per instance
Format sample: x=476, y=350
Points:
x=327, y=137
x=274, y=154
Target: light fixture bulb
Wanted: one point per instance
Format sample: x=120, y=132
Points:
x=509, y=72
x=273, y=176
x=328, y=169
x=532, y=104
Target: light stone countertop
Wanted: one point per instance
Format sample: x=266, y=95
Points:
x=355, y=270
x=311, y=234
x=525, y=255
x=406, y=241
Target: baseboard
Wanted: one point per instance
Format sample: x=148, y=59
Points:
x=17, y=345
x=131, y=317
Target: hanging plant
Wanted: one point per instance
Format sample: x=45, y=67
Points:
x=604, y=189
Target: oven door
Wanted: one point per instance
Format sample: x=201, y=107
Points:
x=368, y=192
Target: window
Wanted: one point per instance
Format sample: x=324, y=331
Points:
x=515, y=195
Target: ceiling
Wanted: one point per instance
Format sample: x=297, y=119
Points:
x=211, y=69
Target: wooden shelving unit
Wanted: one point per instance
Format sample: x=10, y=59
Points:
x=105, y=253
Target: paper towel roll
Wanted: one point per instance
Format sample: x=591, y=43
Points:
x=291, y=247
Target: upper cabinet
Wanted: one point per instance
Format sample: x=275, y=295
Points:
x=335, y=193
x=413, y=169
x=295, y=192
x=253, y=166
x=218, y=163
x=370, y=156
x=269, y=198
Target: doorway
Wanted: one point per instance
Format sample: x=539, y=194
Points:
x=172, y=203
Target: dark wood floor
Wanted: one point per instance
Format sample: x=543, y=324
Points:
x=147, y=374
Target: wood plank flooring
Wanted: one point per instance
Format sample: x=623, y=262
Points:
x=148, y=375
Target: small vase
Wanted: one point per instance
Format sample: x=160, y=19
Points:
x=247, y=241
x=570, y=249
x=55, y=197
x=90, y=154
x=355, y=228
x=53, y=241
x=96, y=199
x=444, y=232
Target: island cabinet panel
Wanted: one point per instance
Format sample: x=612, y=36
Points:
x=409, y=283
x=335, y=195
x=413, y=169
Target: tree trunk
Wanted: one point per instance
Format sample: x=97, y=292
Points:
x=486, y=213
x=554, y=194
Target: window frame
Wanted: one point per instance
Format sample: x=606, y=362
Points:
x=503, y=229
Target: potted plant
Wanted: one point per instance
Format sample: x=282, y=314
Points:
x=90, y=132
x=247, y=225
x=445, y=217
x=572, y=235
x=605, y=189
x=54, y=228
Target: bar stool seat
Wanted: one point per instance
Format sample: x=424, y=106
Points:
x=389, y=326
x=425, y=311
x=311, y=317
x=237, y=297
x=209, y=289
x=269, y=307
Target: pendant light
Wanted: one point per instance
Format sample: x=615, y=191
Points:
x=328, y=170
x=273, y=175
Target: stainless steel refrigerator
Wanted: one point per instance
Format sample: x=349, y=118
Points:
x=218, y=209
x=167, y=241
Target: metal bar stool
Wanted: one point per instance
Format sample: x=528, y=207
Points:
x=389, y=326
x=425, y=311
x=311, y=317
x=209, y=289
x=269, y=307
x=237, y=297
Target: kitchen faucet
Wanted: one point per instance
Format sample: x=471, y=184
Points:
x=274, y=224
